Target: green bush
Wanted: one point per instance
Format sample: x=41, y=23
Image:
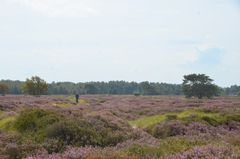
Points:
x=39, y=125
x=111, y=138
x=33, y=123
x=82, y=133
x=77, y=133
x=110, y=133
x=34, y=120
x=167, y=129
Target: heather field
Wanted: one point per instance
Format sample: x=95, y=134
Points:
x=119, y=127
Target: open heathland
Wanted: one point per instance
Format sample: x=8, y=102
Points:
x=119, y=127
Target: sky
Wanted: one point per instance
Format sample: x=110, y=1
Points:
x=131, y=40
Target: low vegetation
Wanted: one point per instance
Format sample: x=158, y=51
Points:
x=119, y=127
x=187, y=116
x=165, y=148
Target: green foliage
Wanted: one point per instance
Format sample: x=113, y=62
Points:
x=14, y=86
x=211, y=117
x=211, y=120
x=171, y=117
x=35, y=119
x=78, y=133
x=233, y=117
x=112, y=87
x=136, y=94
x=35, y=86
x=148, y=89
x=3, y=89
x=39, y=125
x=90, y=88
x=7, y=123
x=81, y=133
x=111, y=138
x=199, y=85
x=147, y=121
x=233, y=90
x=167, y=147
x=34, y=122
x=142, y=150
x=167, y=129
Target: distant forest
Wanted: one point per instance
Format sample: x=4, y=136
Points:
x=114, y=87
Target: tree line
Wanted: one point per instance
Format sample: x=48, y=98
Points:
x=119, y=87
x=111, y=87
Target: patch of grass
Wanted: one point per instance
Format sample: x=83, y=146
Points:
x=167, y=147
x=71, y=98
x=147, y=121
x=213, y=118
x=233, y=117
x=61, y=105
x=58, y=96
x=83, y=102
x=175, y=145
x=65, y=105
x=6, y=124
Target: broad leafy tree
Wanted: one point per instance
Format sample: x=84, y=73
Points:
x=35, y=86
x=3, y=89
x=199, y=85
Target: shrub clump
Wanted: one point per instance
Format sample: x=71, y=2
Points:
x=51, y=129
x=70, y=132
x=111, y=129
x=167, y=129
x=34, y=120
x=207, y=152
x=53, y=146
x=167, y=147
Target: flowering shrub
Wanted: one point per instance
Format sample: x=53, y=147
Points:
x=85, y=153
x=72, y=132
x=167, y=129
x=44, y=131
x=166, y=147
x=53, y=145
x=33, y=122
x=207, y=152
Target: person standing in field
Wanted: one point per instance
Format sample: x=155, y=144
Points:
x=77, y=97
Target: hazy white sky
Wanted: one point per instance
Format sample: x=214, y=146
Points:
x=133, y=40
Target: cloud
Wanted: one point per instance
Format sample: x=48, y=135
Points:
x=152, y=40
x=59, y=8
